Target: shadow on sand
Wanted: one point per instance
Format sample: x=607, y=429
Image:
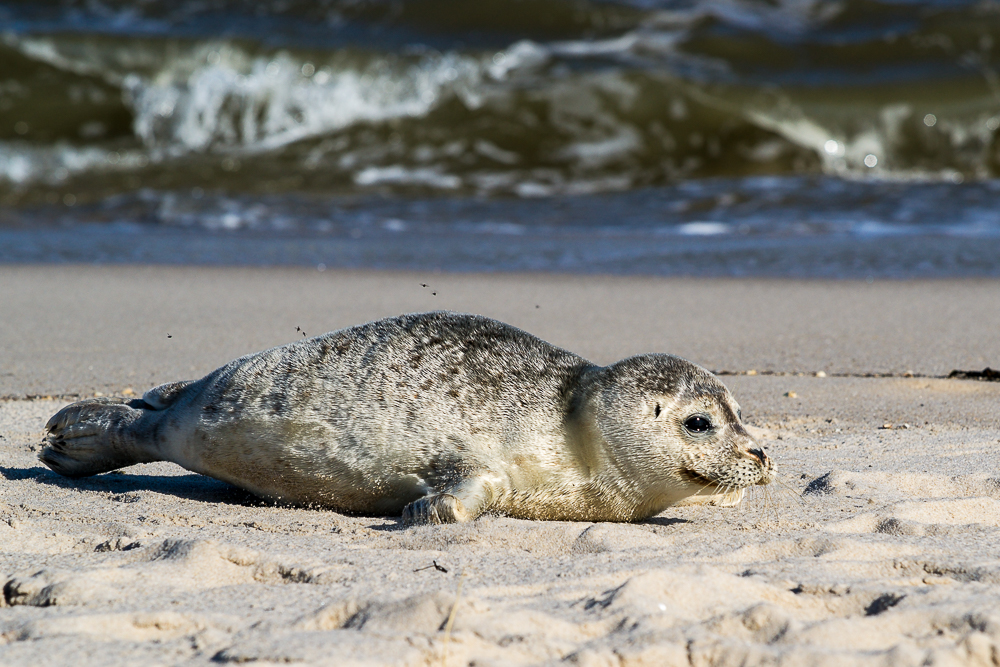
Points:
x=190, y=487
x=665, y=521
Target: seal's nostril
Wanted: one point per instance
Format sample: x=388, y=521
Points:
x=759, y=455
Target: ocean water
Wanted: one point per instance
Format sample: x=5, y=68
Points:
x=849, y=138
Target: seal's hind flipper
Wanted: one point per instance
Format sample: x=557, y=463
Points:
x=94, y=436
x=160, y=398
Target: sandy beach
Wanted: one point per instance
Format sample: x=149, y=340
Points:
x=878, y=546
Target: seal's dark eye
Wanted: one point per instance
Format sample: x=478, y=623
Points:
x=697, y=424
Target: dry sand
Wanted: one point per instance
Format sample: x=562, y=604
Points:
x=880, y=546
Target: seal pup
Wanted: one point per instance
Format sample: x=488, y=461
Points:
x=440, y=416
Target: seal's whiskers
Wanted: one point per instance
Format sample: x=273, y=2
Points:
x=786, y=490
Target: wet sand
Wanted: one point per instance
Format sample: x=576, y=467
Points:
x=878, y=546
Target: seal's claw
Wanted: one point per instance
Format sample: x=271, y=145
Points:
x=438, y=508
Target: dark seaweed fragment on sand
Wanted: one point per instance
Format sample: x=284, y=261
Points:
x=987, y=375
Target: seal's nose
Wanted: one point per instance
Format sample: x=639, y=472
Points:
x=761, y=457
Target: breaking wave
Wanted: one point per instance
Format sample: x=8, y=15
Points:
x=552, y=97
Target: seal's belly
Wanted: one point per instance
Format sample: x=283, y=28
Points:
x=315, y=462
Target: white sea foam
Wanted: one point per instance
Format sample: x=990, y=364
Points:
x=403, y=176
x=703, y=228
x=597, y=153
x=23, y=164
x=261, y=104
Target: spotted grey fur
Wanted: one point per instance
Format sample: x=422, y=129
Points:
x=440, y=416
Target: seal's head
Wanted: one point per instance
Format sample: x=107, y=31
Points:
x=675, y=429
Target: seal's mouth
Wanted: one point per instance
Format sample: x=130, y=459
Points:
x=696, y=478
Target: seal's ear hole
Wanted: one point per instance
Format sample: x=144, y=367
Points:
x=657, y=410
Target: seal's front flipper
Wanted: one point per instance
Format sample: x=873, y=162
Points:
x=437, y=508
x=457, y=504
x=95, y=436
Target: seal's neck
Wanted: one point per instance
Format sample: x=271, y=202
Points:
x=609, y=482
x=620, y=466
